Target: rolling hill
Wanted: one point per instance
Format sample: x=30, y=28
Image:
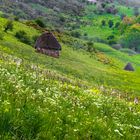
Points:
x=86, y=93
x=50, y=11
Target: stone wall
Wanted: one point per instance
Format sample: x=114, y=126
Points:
x=53, y=53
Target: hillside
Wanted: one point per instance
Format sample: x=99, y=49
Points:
x=83, y=94
x=52, y=12
x=34, y=106
x=122, y=2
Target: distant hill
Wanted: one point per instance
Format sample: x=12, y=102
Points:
x=26, y=6
x=51, y=11
x=123, y=2
x=134, y=2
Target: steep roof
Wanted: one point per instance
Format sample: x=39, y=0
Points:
x=129, y=67
x=47, y=41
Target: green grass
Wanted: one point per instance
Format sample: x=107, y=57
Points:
x=94, y=28
x=34, y=106
x=79, y=64
x=78, y=96
x=126, y=11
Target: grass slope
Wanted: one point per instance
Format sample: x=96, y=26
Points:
x=93, y=27
x=77, y=96
x=34, y=106
x=78, y=63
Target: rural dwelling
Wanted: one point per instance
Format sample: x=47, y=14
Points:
x=48, y=44
x=129, y=67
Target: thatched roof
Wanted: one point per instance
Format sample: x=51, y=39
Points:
x=129, y=67
x=47, y=41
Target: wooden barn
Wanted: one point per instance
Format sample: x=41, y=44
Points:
x=48, y=44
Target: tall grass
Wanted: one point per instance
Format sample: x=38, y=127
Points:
x=34, y=106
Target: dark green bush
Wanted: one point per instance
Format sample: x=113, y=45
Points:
x=103, y=23
x=117, y=24
x=1, y=36
x=85, y=34
x=8, y=26
x=16, y=18
x=75, y=34
x=90, y=47
x=138, y=19
x=111, y=40
x=62, y=18
x=34, y=38
x=110, y=37
x=40, y=23
x=23, y=37
x=110, y=23
x=132, y=41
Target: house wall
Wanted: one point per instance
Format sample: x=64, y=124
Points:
x=53, y=53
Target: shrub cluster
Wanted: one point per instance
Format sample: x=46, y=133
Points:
x=23, y=37
x=8, y=26
x=40, y=23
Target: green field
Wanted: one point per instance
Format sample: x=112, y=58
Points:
x=37, y=106
x=80, y=96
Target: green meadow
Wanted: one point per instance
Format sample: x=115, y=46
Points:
x=82, y=95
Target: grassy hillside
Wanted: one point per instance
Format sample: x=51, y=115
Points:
x=98, y=68
x=93, y=26
x=34, y=106
x=85, y=94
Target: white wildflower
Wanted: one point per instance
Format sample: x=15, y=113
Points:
x=136, y=101
x=117, y=131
